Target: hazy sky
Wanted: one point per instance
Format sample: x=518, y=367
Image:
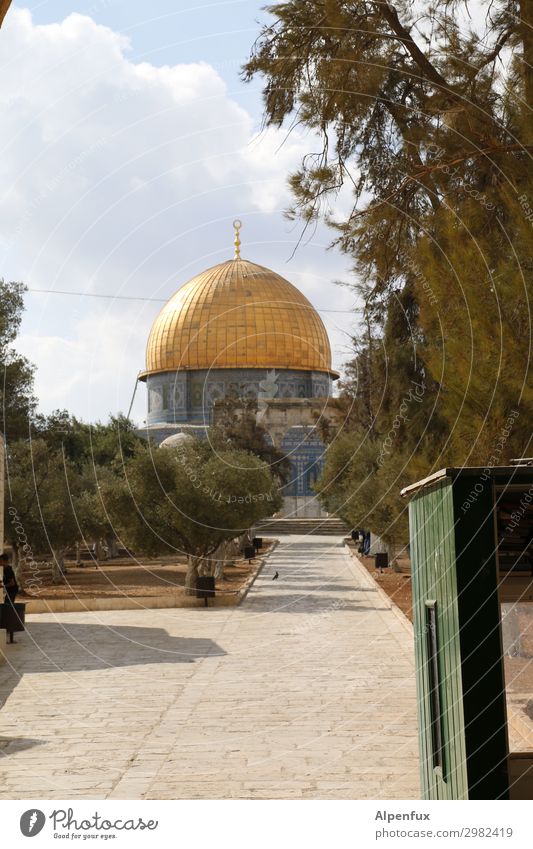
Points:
x=129, y=145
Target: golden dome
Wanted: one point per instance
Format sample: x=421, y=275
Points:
x=238, y=315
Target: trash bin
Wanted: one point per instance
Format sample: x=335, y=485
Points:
x=205, y=587
x=257, y=543
x=382, y=560
x=249, y=552
x=12, y=617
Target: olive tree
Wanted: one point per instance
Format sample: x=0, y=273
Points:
x=42, y=492
x=189, y=500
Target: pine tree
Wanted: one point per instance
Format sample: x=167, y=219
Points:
x=430, y=121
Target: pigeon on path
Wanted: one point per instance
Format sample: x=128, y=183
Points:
x=276, y=576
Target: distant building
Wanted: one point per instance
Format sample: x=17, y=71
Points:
x=241, y=329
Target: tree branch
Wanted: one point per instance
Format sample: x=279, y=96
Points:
x=526, y=31
x=494, y=53
x=439, y=166
x=391, y=16
x=4, y=6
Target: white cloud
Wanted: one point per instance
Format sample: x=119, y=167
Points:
x=93, y=365
x=123, y=177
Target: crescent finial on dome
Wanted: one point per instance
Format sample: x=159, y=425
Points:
x=237, y=241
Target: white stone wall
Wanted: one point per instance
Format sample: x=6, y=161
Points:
x=301, y=507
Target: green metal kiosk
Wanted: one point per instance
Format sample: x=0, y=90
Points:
x=471, y=539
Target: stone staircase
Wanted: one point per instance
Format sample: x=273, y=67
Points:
x=322, y=527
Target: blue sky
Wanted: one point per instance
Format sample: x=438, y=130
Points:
x=129, y=146
x=164, y=32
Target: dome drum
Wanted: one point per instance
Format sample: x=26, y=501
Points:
x=188, y=396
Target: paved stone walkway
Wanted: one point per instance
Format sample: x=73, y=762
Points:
x=305, y=691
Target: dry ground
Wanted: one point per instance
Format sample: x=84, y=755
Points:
x=397, y=585
x=137, y=577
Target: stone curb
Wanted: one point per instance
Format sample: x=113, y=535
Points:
x=175, y=601
x=514, y=720
x=251, y=581
x=407, y=624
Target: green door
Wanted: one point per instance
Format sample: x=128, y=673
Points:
x=437, y=644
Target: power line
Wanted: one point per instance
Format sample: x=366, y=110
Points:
x=135, y=298
x=97, y=295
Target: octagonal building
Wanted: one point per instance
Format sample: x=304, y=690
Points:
x=241, y=329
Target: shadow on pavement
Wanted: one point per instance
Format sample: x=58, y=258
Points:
x=78, y=647
x=10, y=745
x=81, y=646
x=300, y=603
x=304, y=587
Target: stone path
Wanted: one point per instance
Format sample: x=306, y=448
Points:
x=305, y=691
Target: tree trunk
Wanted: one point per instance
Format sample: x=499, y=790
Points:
x=526, y=26
x=221, y=558
x=391, y=551
x=16, y=567
x=112, y=547
x=28, y=572
x=244, y=540
x=206, y=567
x=193, y=565
x=58, y=567
x=78, y=554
